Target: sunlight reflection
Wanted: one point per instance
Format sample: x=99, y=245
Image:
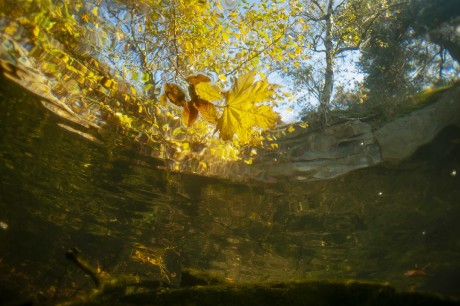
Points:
x=3, y=225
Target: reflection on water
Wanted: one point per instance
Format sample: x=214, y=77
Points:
x=59, y=190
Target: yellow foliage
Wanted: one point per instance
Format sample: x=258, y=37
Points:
x=243, y=110
x=124, y=119
x=209, y=92
x=194, y=36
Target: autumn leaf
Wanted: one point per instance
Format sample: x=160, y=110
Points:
x=199, y=78
x=239, y=90
x=207, y=110
x=175, y=94
x=209, y=92
x=189, y=114
x=243, y=111
x=229, y=123
x=262, y=116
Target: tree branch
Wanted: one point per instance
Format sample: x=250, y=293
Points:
x=319, y=7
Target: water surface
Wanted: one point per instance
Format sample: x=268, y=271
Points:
x=59, y=190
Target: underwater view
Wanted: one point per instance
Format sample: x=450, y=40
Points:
x=229, y=152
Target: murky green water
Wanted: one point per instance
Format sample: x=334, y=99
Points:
x=59, y=190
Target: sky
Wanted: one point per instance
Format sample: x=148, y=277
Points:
x=346, y=76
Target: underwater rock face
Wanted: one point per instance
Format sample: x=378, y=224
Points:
x=400, y=138
x=324, y=154
x=339, y=149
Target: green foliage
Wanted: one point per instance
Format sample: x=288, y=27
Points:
x=398, y=62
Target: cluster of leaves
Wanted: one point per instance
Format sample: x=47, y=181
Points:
x=65, y=47
x=245, y=109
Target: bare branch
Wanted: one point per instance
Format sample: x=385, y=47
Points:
x=316, y=3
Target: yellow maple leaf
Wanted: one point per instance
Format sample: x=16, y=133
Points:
x=243, y=110
x=208, y=91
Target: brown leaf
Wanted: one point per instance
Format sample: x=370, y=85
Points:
x=415, y=272
x=189, y=114
x=175, y=94
x=207, y=110
x=195, y=79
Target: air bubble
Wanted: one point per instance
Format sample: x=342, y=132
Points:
x=229, y=4
x=252, y=35
x=3, y=225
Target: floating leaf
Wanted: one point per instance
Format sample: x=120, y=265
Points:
x=207, y=110
x=242, y=111
x=196, y=79
x=189, y=114
x=263, y=116
x=239, y=88
x=175, y=94
x=209, y=92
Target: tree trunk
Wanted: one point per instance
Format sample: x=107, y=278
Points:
x=329, y=73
